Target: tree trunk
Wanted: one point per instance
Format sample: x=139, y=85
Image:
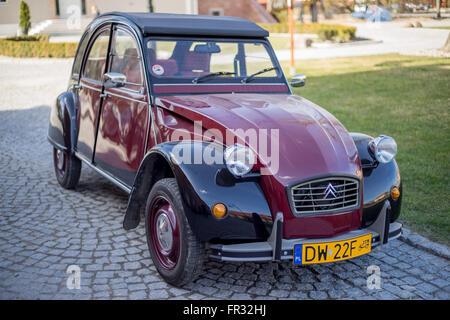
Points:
x=302, y=10
x=322, y=8
x=150, y=6
x=313, y=9
x=438, y=9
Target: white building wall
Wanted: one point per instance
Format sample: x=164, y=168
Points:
x=46, y=9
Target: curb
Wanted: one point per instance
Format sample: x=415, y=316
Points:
x=350, y=44
x=423, y=243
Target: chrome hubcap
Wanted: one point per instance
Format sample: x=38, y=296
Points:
x=164, y=232
x=59, y=159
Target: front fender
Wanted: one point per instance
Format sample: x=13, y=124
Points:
x=62, y=131
x=378, y=180
x=248, y=216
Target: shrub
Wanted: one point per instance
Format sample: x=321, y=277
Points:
x=333, y=32
x=37, y=37
x=336, y=33
x=25, y=19
x=327, y=34
x=36, y=47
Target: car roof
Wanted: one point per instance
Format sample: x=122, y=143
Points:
x=192, y=25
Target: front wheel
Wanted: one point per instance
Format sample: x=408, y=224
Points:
x=67, y=168
x=177, y=254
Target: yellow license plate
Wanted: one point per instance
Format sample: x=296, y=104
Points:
x=309, y=253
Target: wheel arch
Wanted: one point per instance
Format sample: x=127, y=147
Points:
x=62, y=131
x=248, y=216
x=155, y=166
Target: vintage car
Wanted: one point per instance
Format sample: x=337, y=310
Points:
x=193, y=117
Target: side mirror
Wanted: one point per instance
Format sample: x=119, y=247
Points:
x=298, y=80
x=114, y=80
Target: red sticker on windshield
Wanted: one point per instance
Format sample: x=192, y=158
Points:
x=158, y=69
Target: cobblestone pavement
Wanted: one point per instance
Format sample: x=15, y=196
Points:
x=44, y=229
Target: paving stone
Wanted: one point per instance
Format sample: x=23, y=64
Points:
x=138, y=295
x=279, y=293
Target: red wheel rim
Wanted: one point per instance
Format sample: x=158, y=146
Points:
x=60, y=160
x=164, y=232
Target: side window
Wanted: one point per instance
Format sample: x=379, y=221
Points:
x=95, y=63
x=79, y=57
x=126, y=59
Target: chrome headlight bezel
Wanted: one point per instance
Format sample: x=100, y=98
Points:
x=383, y=148
x=239, y=159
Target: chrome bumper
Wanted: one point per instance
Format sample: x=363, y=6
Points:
x=276, y=248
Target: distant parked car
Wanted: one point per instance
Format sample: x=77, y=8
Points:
x=360, y=8
x=373, y=13
x=412, y=7
x=165, y=106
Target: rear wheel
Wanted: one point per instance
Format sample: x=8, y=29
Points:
x=177, y=254
x=67, y=168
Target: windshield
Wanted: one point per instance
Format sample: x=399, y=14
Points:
x=209, y=61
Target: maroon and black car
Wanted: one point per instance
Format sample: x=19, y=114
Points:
x=193, y=117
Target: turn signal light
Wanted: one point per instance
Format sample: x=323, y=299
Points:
x=219, y=210
x=395, y=193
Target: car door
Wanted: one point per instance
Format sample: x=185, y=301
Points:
x=90, y=94
x=124, y=117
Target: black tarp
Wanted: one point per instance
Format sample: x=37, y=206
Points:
x=192, y=25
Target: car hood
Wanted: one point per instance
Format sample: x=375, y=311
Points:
x=310, y=141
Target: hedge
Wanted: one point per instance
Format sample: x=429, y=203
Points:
x=36, y=47
x=324, y=31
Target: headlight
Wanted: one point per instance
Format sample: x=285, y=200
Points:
x=383, y=148
x=239, y=159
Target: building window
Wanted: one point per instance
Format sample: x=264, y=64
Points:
x=216, y=11
x=58, y=10
x=3, y=2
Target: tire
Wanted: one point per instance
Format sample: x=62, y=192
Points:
x=176, y=253
x=67, y=169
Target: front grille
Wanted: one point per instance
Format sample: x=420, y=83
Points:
x=325, y=195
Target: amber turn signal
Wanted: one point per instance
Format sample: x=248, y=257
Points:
x=395, y=193
x=219, y=210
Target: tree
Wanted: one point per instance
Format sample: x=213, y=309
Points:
x=25, y=18
x=326, y=14
x=302, y=9
x=438, y=9
x=150, y=6
x=313, y=10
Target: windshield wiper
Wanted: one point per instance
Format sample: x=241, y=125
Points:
x=213, y=74
x=250, y=77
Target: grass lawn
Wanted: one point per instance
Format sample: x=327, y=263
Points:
x=280, y=42
x=443, y=27
x=405, y=97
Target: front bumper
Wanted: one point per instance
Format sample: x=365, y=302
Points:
x=276, y=248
